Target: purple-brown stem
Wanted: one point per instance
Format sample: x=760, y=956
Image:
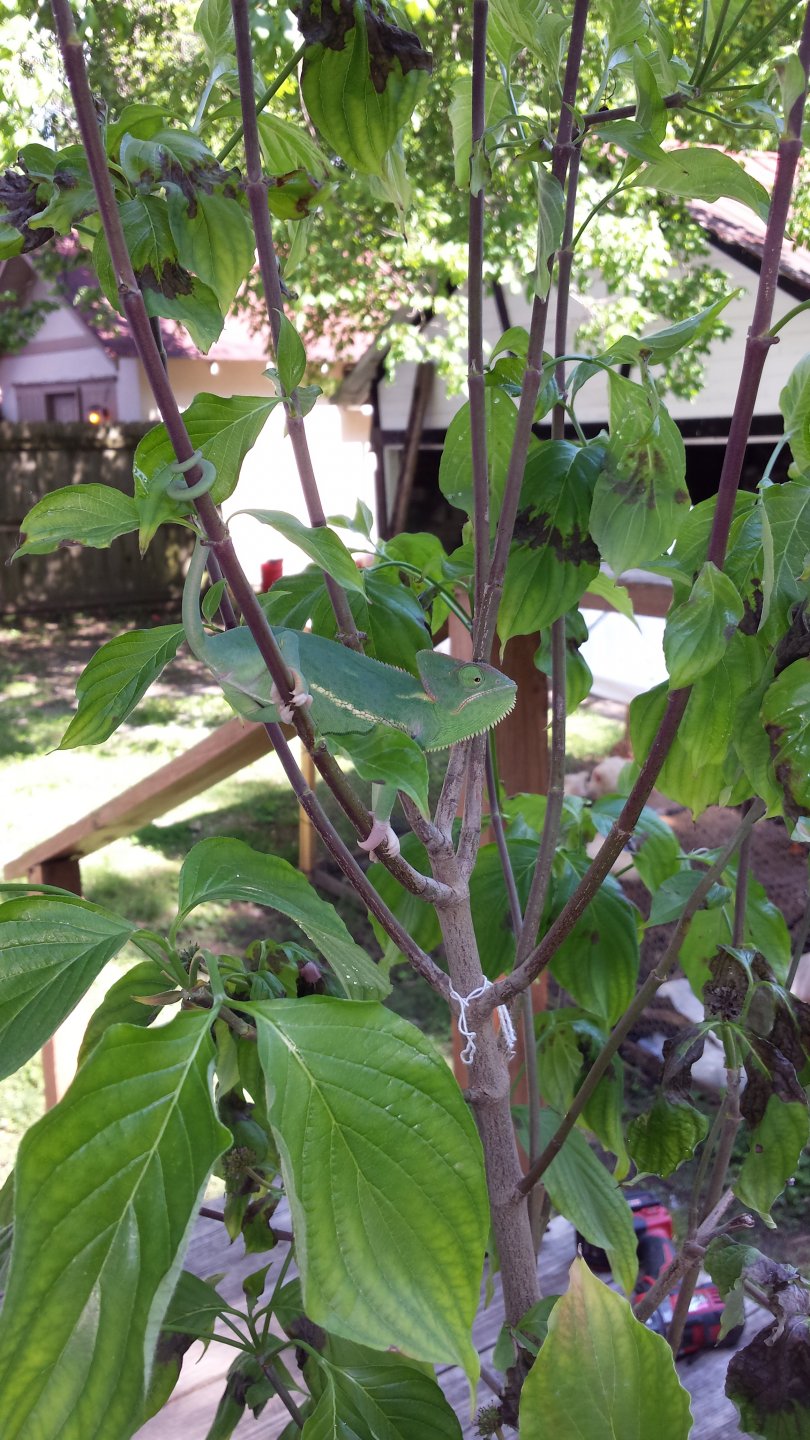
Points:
x=643, y=997
x=759, y=342
x=256, y=191
x=487, y=614
x=215, y=529
x=756, y=349
x=475, y=303
x=627, y=112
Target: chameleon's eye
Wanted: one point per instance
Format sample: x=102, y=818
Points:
x=470, y=677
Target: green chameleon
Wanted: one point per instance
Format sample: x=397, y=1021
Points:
x=350, y=693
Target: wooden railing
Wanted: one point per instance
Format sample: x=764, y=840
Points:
x=57, y=860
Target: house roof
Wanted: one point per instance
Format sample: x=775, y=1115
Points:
x=243, y=336
x=731, y=223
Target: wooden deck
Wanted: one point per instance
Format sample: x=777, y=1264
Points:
x=190, y=1410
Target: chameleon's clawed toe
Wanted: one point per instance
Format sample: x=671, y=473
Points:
x=299, y=698
x=380, y=837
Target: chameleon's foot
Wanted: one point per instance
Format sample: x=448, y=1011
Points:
x=299, y=698
x=380, y=837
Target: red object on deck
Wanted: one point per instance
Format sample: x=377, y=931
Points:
x=272, y=570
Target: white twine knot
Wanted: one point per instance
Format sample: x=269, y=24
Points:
x=507, y=1028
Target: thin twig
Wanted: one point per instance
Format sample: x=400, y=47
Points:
x=741, y=889
x=627, y=112
x=475, y=311
x=256, y=191
x=281, y=1390
x=655, y=979
x=263, y=101
x=215, y=529
x=757, y=346
x=486, y=616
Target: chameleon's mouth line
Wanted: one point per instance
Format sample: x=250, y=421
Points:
x=484, y=728
x=476, y=695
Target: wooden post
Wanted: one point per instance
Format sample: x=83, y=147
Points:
x=422, y=387
x=60, y=1052
x=306, y=830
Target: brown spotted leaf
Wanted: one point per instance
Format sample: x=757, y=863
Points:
x=363, y=74
x=641, y=500
x=553, y=557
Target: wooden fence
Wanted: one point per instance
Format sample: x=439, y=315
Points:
x=38, y=457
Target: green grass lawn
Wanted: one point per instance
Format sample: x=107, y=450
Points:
x=43, y=789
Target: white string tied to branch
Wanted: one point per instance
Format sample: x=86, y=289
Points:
x=507, y=1028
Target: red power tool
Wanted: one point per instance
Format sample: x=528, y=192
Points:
x=653, y=1226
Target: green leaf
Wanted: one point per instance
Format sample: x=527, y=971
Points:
x=618, y=596
x=699, y=630
x=359, y=1089
x=192, y=1314
x=223, y=429
x=662, y=1138
x=550, y=216
x=694, y=786
x=583, y=1191
x=776, y=1144
x=708, y=726
x=92, y=515
x=699, y=173
x=221, y=869
x=490, y=905
x=214, y=25
x=120, y=1007
x=116, y=678
x=390, y=757
x=786, y=545
x=145, y=220
x=140, y=120
x=559, y=1062
x=287, y=147
x=51, y=950
x=496, y=110
x=794, y=403
x=658, y=347
x=361, y=83
x=640, y=500
x=656, y=852
x=521, y=19
x=598, y=961
x=191, y=302
x=167, y=157
x=455, y=466
x=669, y=901
x=604, y=1116
x=578, y=677
x=390, y=1401
x=602, y=1373
x=553, y=558
x=96, y=1256
x=785, y=714
x=291, y=357
x=766, y=930
x=318, y=542
x=214, y=241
